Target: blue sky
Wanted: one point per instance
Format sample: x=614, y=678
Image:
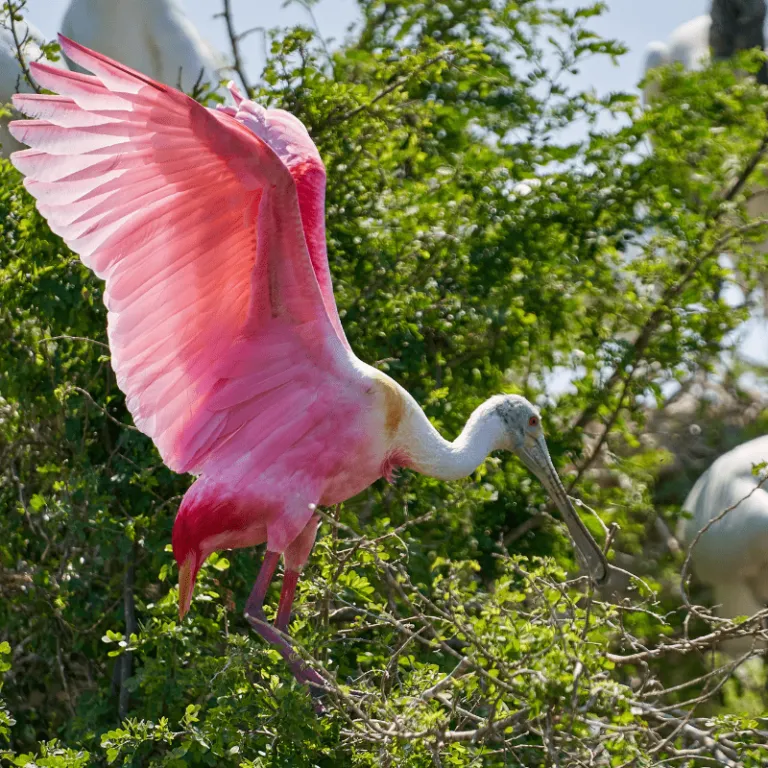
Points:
x=634, y=22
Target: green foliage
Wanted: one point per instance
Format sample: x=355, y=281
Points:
x=6, y=721
x=473, y=252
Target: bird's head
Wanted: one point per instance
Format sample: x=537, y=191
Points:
x=522, y=434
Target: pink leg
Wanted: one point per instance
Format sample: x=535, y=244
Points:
x=254, y=612
x=255, y=604
x=296, y=556
x=290, y=580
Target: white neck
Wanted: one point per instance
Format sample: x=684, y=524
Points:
x=431, y=454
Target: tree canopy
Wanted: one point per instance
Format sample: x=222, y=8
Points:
x=473, y=251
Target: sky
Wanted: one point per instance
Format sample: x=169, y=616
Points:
x=333, y=16
x=634, y=22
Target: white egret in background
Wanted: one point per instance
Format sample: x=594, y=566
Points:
x=12, y=78
x=154, y=37
x=732, y=555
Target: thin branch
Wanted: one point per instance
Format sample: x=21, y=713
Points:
x=66, y=337
x=692, y=545
x=727, y=753
x=19, y=44
x=635, y=353
x=88, y=395
x=401, y=81
x=685, y=645
x=131, y=628
x=308, y=8
x=455, y=673
x=62, y=674
x=234, y=42
x=587, y=463
x=534, y=521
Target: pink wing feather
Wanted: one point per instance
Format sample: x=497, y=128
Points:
x=208, y=229
x=287, y=136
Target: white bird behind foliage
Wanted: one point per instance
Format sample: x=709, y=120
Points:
x=12, y=78
x=152, y=36
x=689, y=45
x=732, y=556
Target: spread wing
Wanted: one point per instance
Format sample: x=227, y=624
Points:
x=207, y=227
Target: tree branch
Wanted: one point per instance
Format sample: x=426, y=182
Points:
x=13, y=9
x=635, y=353
x=401, y=81
x=692, y=545
x=234, y=42
x=131, y=628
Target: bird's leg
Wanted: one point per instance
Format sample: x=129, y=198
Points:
x=255, y=605
x=290, y=580
x=254, y=612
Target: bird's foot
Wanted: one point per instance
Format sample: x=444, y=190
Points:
x=303, y=673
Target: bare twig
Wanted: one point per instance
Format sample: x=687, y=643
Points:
x=587, y=463
x=13, y=10
x=308, y=8
x=66, y=337
x=704, y=529
x=704, y=642
x=63, y=676
x=441, y=685
x=399, y=83
x=103, y=410
x=728, y=754
x=234, y=42
x=534, y=521
x=131, y=628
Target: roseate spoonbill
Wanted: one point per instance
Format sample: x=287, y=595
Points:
x=208, y=228
x=732, y=555
x=153, y=36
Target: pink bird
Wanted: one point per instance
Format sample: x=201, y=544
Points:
x=208, y=228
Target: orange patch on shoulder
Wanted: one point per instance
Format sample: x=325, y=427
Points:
x=394, y=405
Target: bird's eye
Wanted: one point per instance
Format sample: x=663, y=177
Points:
x=533, y=421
